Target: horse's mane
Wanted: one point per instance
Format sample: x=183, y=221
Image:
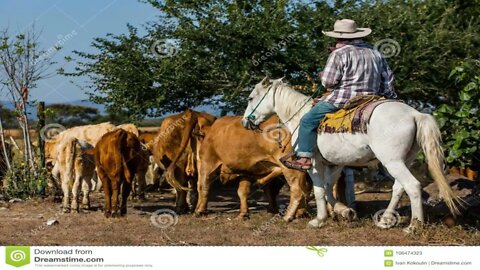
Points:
x=296, y=100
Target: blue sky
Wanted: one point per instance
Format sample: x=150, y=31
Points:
x=80, y=21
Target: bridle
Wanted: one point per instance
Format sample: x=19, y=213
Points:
x=250, y=118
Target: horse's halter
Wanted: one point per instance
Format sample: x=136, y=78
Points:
x=250, y=118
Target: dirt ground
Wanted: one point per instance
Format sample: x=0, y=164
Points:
x=24, y=223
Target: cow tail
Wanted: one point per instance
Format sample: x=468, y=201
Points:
x=122, y=148
x=70, y=160
x=190, y=125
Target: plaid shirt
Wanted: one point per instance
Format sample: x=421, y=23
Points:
x=356, y=69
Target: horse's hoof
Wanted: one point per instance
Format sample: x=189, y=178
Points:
x=85, y=206
x=108, y=214
x=315, y=223
x=66, y=210
x=414, y=228
x=288, y=218
x=115, y=214
x=349, y=214
x=387, y=222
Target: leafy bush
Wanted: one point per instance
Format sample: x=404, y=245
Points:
x=460, y=121
x=22, y=183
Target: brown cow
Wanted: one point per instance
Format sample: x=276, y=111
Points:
x=175, y=147
x=229, y=147
x=118, y=158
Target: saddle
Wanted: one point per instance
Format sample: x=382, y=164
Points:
x=354, y=116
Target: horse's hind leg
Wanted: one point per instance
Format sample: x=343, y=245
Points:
x=402, y=175
x=388, y=218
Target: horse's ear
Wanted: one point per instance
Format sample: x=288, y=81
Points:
x=266, y=81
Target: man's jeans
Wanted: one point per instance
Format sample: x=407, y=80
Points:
x=307, y=134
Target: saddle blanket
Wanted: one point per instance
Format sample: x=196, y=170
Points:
x=354, y=117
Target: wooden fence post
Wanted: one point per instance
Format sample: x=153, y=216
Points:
x=40, y=125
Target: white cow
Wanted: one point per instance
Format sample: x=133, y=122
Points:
x=73, y=167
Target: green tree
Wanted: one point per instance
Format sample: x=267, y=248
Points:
x=71, y=115
x=215, y=49
x=120, y=75
x=460, y=122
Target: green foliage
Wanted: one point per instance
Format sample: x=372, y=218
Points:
x=22, y=183
x=71, y=115
x=220, y=47
x=460, y=122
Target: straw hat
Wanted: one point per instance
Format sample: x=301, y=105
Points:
x=347, y=29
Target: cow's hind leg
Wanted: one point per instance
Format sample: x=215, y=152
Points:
x=294, y=180
x=66, y=197
x=243, y=191
x=126, y=188
x=86, y=188
x=192, y=195
x=181, y=206
x=205, y=179
x=107, y=190
x=76, y=191
x=271, y=191
x=116, y=186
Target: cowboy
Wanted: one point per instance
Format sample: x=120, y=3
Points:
x=353, y=68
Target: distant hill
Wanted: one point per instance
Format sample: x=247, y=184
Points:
x=101, y=108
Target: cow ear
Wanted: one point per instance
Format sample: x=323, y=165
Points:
x=266, y=81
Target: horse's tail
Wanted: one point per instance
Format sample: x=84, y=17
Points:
x=429, y=138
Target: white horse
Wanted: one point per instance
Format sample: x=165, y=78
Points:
x=395, y=134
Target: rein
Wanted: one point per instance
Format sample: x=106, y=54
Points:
x=251, y=117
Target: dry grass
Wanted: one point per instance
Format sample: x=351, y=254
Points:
x=23, y=223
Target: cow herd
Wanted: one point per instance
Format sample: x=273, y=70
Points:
x=191, y=149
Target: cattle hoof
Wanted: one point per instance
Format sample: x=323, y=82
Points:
x=200, y=214
x=243, y=216
x=349, y=214
x=85, y=206
x=272, y=210
x=181, y=211
x=301, y=213
x=108, y=214
x=315, y=223
x=66, y=210
x=288, y=218
x=115, y=215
